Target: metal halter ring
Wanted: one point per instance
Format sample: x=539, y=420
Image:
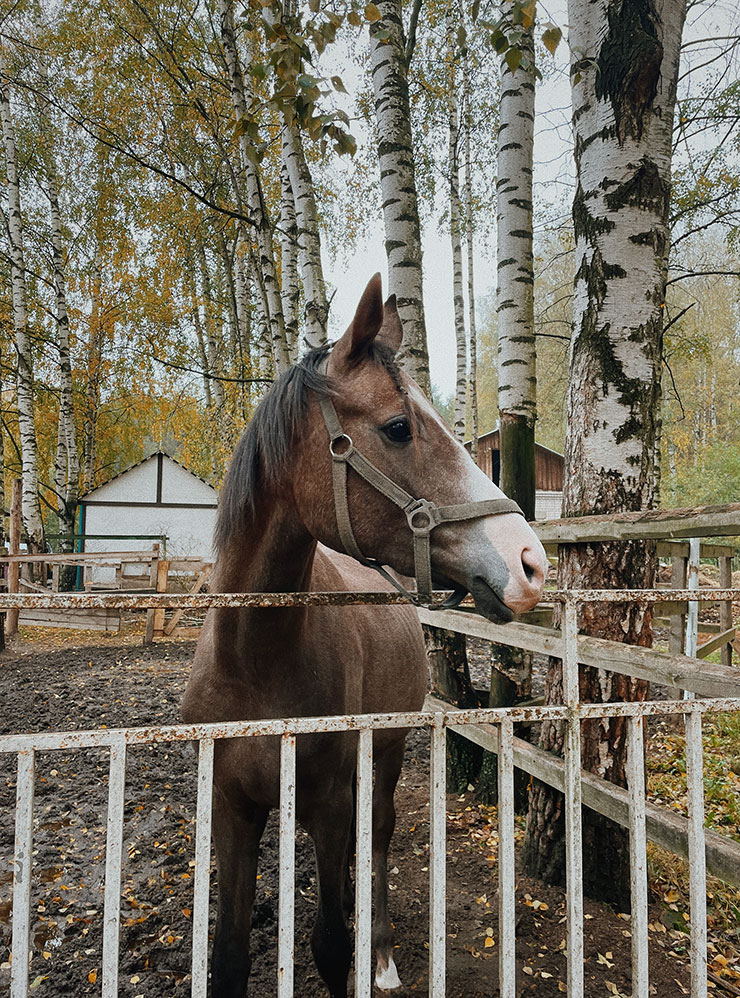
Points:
x=341, y=455
x=424, y=511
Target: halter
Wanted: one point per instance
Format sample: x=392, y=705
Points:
x=422, y=515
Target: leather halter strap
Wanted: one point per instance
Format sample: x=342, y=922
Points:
x=422, y=515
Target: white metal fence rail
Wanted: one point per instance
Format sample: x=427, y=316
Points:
x=571, y=712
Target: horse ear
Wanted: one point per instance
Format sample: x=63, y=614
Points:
x=365, y=326
x=391, y=332
x=368, y=317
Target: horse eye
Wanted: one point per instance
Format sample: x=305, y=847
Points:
x=398, y=431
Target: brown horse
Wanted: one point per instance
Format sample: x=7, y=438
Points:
x=277, y=521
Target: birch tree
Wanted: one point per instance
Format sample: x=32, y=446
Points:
x=458, y=300
x=624, y=70
x=316, y=308
x=470, y=245
x=389, y=68
x=290, y=289
x=24, y=357
x=255, y=197
x=67, y=463
x=517, y=391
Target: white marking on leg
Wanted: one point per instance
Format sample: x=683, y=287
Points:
x=386, y=975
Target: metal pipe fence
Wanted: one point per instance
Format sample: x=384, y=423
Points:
x=572, y=712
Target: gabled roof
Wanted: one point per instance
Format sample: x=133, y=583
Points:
x=138, y=464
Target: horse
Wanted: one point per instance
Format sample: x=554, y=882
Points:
x=284, y=524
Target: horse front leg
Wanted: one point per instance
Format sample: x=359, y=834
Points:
x=387, y=770
x=331, y=942
x=237, y=838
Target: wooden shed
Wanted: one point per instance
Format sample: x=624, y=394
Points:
x=548, y=469
x=156, y=497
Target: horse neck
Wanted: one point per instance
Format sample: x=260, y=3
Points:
x=274, y=553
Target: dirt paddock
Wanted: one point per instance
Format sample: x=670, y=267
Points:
x=69, y=681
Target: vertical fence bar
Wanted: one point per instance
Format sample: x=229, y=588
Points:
x=201, y=888
x=638, y=856
x=22, y=864
x=437, y=859
x=692, y=613
x=286, y=899
x=364, y=868
x=697, y=854
x=506, y=862
x=113, y=852
x=573, y=829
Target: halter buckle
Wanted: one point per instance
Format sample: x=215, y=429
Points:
x=339, y=441
x=420, y=516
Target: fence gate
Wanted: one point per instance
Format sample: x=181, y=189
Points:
x=501, y=721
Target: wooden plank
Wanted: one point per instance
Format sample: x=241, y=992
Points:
x=163, y=568
x=657, y=524
x=680, y=549
x=700, y=677
x=85, y=620
x=176, y=616
x=664, y=826
x=677, y=636
x=81, y=558
x=725, y=638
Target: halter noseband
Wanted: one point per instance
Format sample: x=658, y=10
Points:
x=422, y=515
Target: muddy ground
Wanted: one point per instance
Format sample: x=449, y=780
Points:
x=115, y=682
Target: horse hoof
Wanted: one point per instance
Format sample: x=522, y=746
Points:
x=386, y=977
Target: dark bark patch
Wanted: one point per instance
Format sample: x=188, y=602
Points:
x=628, y=67
x=645, y=189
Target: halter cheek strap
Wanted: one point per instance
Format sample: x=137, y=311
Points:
x=422, y=515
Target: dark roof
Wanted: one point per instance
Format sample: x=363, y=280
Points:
x=138, y=464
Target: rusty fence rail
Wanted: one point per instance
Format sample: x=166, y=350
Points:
x=572, y=712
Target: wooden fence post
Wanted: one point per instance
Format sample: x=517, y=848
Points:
x=14, y=547
x=725, y=609
x=677, y=636
x=155, y=618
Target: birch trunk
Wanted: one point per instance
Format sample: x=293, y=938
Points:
x=24, y=377
x=212, y=344
x=469, y=230
x=93, y=373
x=624, y=90
x=255, y=200
x=68, y=461
x=398, y=187
x=290, y=289
x=453, y=167
x=244, y=315
x=517, y=388
x=316, y=309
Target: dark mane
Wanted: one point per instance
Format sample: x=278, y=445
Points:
x=262, y=452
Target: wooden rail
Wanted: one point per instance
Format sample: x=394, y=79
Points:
x=653, y=524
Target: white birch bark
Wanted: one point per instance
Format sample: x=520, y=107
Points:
x=469, y=240
x=265, y=359
x=624, y=71
x=623, y=103
x=517, y=393
x=290, y=288
x=255, y=200
x=24, y=379
x=316, y=308
x=398, y=187
x=93, y=372
x=68, y=461
x=453, y=168
x=211, y=339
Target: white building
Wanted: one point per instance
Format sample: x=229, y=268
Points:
x=156, y=497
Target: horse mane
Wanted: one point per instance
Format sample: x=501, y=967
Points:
x=261, y=456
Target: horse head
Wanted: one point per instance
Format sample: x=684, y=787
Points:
x=373, y=409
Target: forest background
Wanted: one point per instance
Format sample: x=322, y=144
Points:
x=134, y=171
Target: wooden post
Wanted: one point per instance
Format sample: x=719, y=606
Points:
x=14, y=547
x=155, y=618
x=677, y=636
x=725, y=609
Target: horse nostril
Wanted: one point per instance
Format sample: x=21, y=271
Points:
x=532, y=566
